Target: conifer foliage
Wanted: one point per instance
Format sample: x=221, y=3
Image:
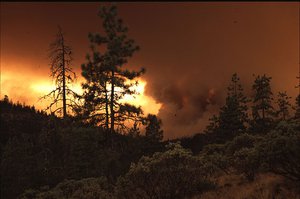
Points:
x=297, y=114
x=284, y=105
x=153, y=130
x=262, y=109
x=107, y=81
x=233, y=116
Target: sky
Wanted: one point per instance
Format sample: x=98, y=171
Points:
x=189, y=50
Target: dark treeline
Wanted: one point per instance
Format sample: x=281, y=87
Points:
x=89, y=152
x=40, y=150
x=44, y=156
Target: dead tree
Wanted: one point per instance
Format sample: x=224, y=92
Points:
x=63, y=97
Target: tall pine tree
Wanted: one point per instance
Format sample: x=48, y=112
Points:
x=233, y=116
x=297, y=114
x=283, y=105
x=107, y=81
x=96, y=90
x=262, y=109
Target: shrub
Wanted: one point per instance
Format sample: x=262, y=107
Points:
x=280, y=150
x=175, y=173
x=92, y=188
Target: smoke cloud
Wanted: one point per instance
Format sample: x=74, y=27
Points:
x=190, y=50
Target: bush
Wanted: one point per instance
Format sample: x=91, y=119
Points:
x=174, y=173
x=240, y=142
x=92, y=188
x=215, y=158
x=280, y=150
x=247, y=161
x=243, y=155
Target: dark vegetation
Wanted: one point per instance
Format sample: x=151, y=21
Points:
x=93, y=154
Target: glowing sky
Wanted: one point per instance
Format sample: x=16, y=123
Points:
x=189, y=50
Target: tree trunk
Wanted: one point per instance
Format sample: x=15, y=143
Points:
x=64, y=79
x=106, y=109
x=112, y=112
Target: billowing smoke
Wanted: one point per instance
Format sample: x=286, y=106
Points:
x=187, y=104
x=190, y=55
x=190, y=50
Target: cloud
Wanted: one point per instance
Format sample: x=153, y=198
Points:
x=186, y=105
x=189, y=50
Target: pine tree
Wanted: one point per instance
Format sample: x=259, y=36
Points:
x=262, y=109
x=5, y=99
x=284, y=105
x=297, y=114
x=107, y=82
x=63, y=75
x=134, y=131
x=153, y=128
x=213, y=125
x=233, y=115
x=96, y=103
x=232, y=118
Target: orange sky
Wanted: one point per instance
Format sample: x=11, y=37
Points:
x=29, y=88
x=188, y=49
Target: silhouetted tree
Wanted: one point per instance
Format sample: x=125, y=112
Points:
x=284, y=105
x=134, y=131
x=62, y=73
x=96, y=91
x=233, y=115
x=153, y=130
x=297, y=114
x=5, y=99
x=232, y=118
x=107, y=80
x=213, y=124
x=262, y=109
